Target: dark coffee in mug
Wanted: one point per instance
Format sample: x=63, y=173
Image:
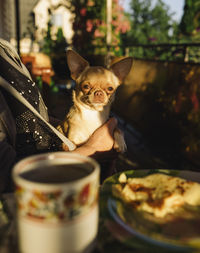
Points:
x=60, y=173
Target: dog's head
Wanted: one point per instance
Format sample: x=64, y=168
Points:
x=95, y=86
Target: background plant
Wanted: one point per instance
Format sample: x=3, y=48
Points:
x=90, y=26
x=55, y=47
x=150, y=24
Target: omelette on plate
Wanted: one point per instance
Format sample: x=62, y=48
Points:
x=158, y=194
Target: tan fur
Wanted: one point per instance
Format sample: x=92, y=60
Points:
x=92, y=98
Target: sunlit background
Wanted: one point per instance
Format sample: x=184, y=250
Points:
x=160, y=98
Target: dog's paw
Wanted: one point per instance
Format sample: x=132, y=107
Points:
x=60, y=129
x=63, y=127
x=119, y=143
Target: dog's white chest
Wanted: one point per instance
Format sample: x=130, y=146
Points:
x=84, y=123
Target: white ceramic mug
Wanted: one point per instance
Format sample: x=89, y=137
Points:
x=57, y=196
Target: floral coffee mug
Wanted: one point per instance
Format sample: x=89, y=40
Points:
x=57, y=203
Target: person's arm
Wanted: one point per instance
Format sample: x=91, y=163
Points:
x=7, y=143
x=101, y=140
x=7, y=160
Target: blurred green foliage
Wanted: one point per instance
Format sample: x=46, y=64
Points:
x=150, y=23
x=190, y=22
x=56, y=50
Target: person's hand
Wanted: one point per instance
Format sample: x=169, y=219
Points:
x=101, y=140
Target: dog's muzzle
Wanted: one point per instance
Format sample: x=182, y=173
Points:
x=98, y=97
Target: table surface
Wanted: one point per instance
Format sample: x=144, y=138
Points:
x=111, y=238
x=8, y=237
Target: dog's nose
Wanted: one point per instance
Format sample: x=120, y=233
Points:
x=98, y=93
x=98, y=96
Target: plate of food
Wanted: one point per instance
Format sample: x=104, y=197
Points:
x=154, y=209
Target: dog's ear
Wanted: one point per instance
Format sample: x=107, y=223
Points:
x=122, y=68
x=76, y=63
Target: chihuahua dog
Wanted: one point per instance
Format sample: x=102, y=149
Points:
x=94, y=92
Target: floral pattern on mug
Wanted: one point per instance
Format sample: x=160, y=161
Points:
x=57, y=205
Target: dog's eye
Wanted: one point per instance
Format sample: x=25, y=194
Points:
x=110, y=88
x=86, y=87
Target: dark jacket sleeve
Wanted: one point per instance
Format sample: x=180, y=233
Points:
x=7, y=160
x=7, y=145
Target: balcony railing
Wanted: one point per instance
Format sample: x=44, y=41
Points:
x=181, y=52
x=167, y=52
